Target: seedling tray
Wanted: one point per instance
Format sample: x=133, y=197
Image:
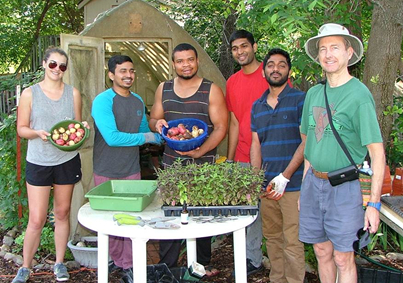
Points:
x=395, y=203
x=122, y=195
x=233, y=210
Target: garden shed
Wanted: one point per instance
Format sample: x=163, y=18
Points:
x=136, y=29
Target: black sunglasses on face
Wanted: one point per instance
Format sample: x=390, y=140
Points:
x=53, y=64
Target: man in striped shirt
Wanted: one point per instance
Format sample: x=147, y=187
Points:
x=277, y=148
x=191, y=96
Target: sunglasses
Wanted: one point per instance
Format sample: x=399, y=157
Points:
x=363, y=239
x=53, y=64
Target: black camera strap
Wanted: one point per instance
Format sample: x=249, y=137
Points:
x=336, y=134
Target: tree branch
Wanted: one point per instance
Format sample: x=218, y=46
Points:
x=48, y=4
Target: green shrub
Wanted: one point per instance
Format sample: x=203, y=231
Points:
x=394, y=149
x=46, y=246
x=12, y=191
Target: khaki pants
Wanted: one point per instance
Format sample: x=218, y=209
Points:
x=280, y=228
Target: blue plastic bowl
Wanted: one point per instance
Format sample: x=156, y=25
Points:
x=185, y=145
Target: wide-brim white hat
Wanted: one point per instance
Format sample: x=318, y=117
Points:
x=312, y=48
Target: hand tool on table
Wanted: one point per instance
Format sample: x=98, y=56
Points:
x=158, y=222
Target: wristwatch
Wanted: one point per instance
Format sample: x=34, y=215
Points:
x=377, y=205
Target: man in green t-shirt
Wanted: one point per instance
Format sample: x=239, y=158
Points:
x=330, y=216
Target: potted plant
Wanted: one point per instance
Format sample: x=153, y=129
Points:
x=210, y=185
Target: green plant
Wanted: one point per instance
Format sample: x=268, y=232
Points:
x=209, y=184
x=310, y=257
x=12, y=190
x=46, y=245
x=385, y=239
x=394, y=149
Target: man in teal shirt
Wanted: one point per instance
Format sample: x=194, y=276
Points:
x=330, y=216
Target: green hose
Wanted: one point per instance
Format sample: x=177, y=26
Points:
x=377, y=263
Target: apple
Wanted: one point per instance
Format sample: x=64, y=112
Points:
x=60, y=142
x=68, y=132
x=77, y=126
x=65, y=137
x=55, y=137
x=79, y=134
x=72, y=136
x=71, y=126
x=73, y=130
x=61, y=130
x=78, y=139
x=81, y=131
x=71, y=143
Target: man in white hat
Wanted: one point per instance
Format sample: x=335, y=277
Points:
x=331, y=216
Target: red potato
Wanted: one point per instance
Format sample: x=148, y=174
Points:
x=68, y=136
x=182, y=129
x=182, y=133
x=173, y=131
x=78, y=139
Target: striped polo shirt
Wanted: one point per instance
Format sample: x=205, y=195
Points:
x=278, y=132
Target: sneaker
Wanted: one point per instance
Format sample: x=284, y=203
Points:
x=60, y=270
x=22, y=275
x=251, y=269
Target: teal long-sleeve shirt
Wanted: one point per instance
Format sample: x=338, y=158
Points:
x=120, y=128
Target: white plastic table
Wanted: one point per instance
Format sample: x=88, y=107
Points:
x=102, y=222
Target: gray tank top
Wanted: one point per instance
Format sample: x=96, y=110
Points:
x=46, y=112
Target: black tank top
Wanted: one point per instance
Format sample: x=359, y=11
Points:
x=195, y=106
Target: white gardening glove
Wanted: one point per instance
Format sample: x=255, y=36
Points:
x=278, y=186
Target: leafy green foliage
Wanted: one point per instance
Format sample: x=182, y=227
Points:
x=46, y=246
x=394, y=149
x=310, y=256
x=23, y=20
x=203, y=20
x=9, y=185
x=385, y=239
x=12, y=191
x=289, y=24
x=209, y=184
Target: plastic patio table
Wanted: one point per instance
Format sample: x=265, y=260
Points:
x=102, y=222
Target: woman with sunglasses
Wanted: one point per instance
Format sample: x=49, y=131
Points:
x=41, y=106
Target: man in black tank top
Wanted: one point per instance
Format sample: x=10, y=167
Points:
x=190, y=96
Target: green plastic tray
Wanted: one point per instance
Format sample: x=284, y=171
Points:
x=122, y=195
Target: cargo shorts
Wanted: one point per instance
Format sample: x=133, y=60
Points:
x=330, y=213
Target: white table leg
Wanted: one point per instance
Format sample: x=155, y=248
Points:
x=139, y=247
x=240, y=256
x=103, y=255
x=191, y=251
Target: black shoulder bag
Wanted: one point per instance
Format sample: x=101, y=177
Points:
x=345, y=174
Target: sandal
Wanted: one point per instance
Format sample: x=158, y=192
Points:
x=211, y=271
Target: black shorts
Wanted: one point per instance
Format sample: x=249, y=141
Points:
x=63, y=174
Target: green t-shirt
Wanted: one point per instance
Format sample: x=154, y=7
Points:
x=354, y=117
